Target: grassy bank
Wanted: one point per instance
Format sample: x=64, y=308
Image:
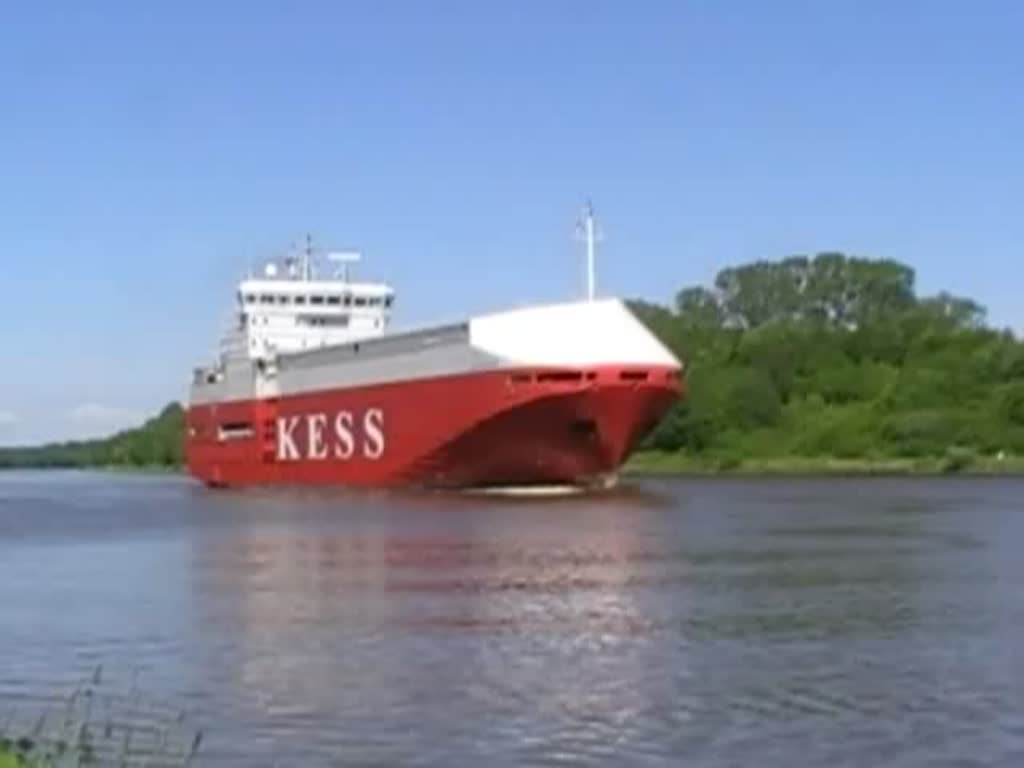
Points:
x=656, y=462
x=143, y=469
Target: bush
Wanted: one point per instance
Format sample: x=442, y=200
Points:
x=920, y=433
x=1010, y=400
x=958, y=459
x=845, y=433
x=752, y=401
x=728, y=462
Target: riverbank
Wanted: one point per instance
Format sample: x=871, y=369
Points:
x=658, y=463
x=653, y=463
x=119, y=469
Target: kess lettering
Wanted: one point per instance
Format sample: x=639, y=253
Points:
x=322, y=437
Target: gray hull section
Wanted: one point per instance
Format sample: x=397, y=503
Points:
x=428, y=353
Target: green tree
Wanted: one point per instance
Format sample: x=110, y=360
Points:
x=837, y=355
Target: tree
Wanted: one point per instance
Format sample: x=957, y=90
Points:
x=697, y=306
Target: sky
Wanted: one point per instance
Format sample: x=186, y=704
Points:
x=150, y=153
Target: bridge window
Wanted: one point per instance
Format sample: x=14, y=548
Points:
x=360, y=301
x=318, y=321
x=316, y=300
x=300, y=300
x=266, y=299
x=250, y=298
x=335, y=300
x=283, y=300
x=388, y=301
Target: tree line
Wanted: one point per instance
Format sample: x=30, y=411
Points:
x=837, y=356
x=157, y=443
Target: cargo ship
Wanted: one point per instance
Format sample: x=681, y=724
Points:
x=312, y=386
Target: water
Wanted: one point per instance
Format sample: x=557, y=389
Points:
x=696, y=622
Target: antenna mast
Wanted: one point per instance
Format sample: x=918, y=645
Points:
x=307, y=259
x=587, y=230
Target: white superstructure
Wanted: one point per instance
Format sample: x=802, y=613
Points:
x=291, y=308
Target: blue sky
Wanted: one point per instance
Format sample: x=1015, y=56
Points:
x=149, y=152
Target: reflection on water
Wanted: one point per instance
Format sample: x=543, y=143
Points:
x=445, y=617
x=703, y=622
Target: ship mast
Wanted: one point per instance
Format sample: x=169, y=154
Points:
x=307, y=259
x=587, y=231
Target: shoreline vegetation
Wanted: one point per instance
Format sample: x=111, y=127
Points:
x=156, y=445
x=825, y=364
x=93, y=724
x=834, y=364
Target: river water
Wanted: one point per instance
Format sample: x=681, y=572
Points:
x=674, y=622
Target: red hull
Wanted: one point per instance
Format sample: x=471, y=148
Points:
x=480, y=429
